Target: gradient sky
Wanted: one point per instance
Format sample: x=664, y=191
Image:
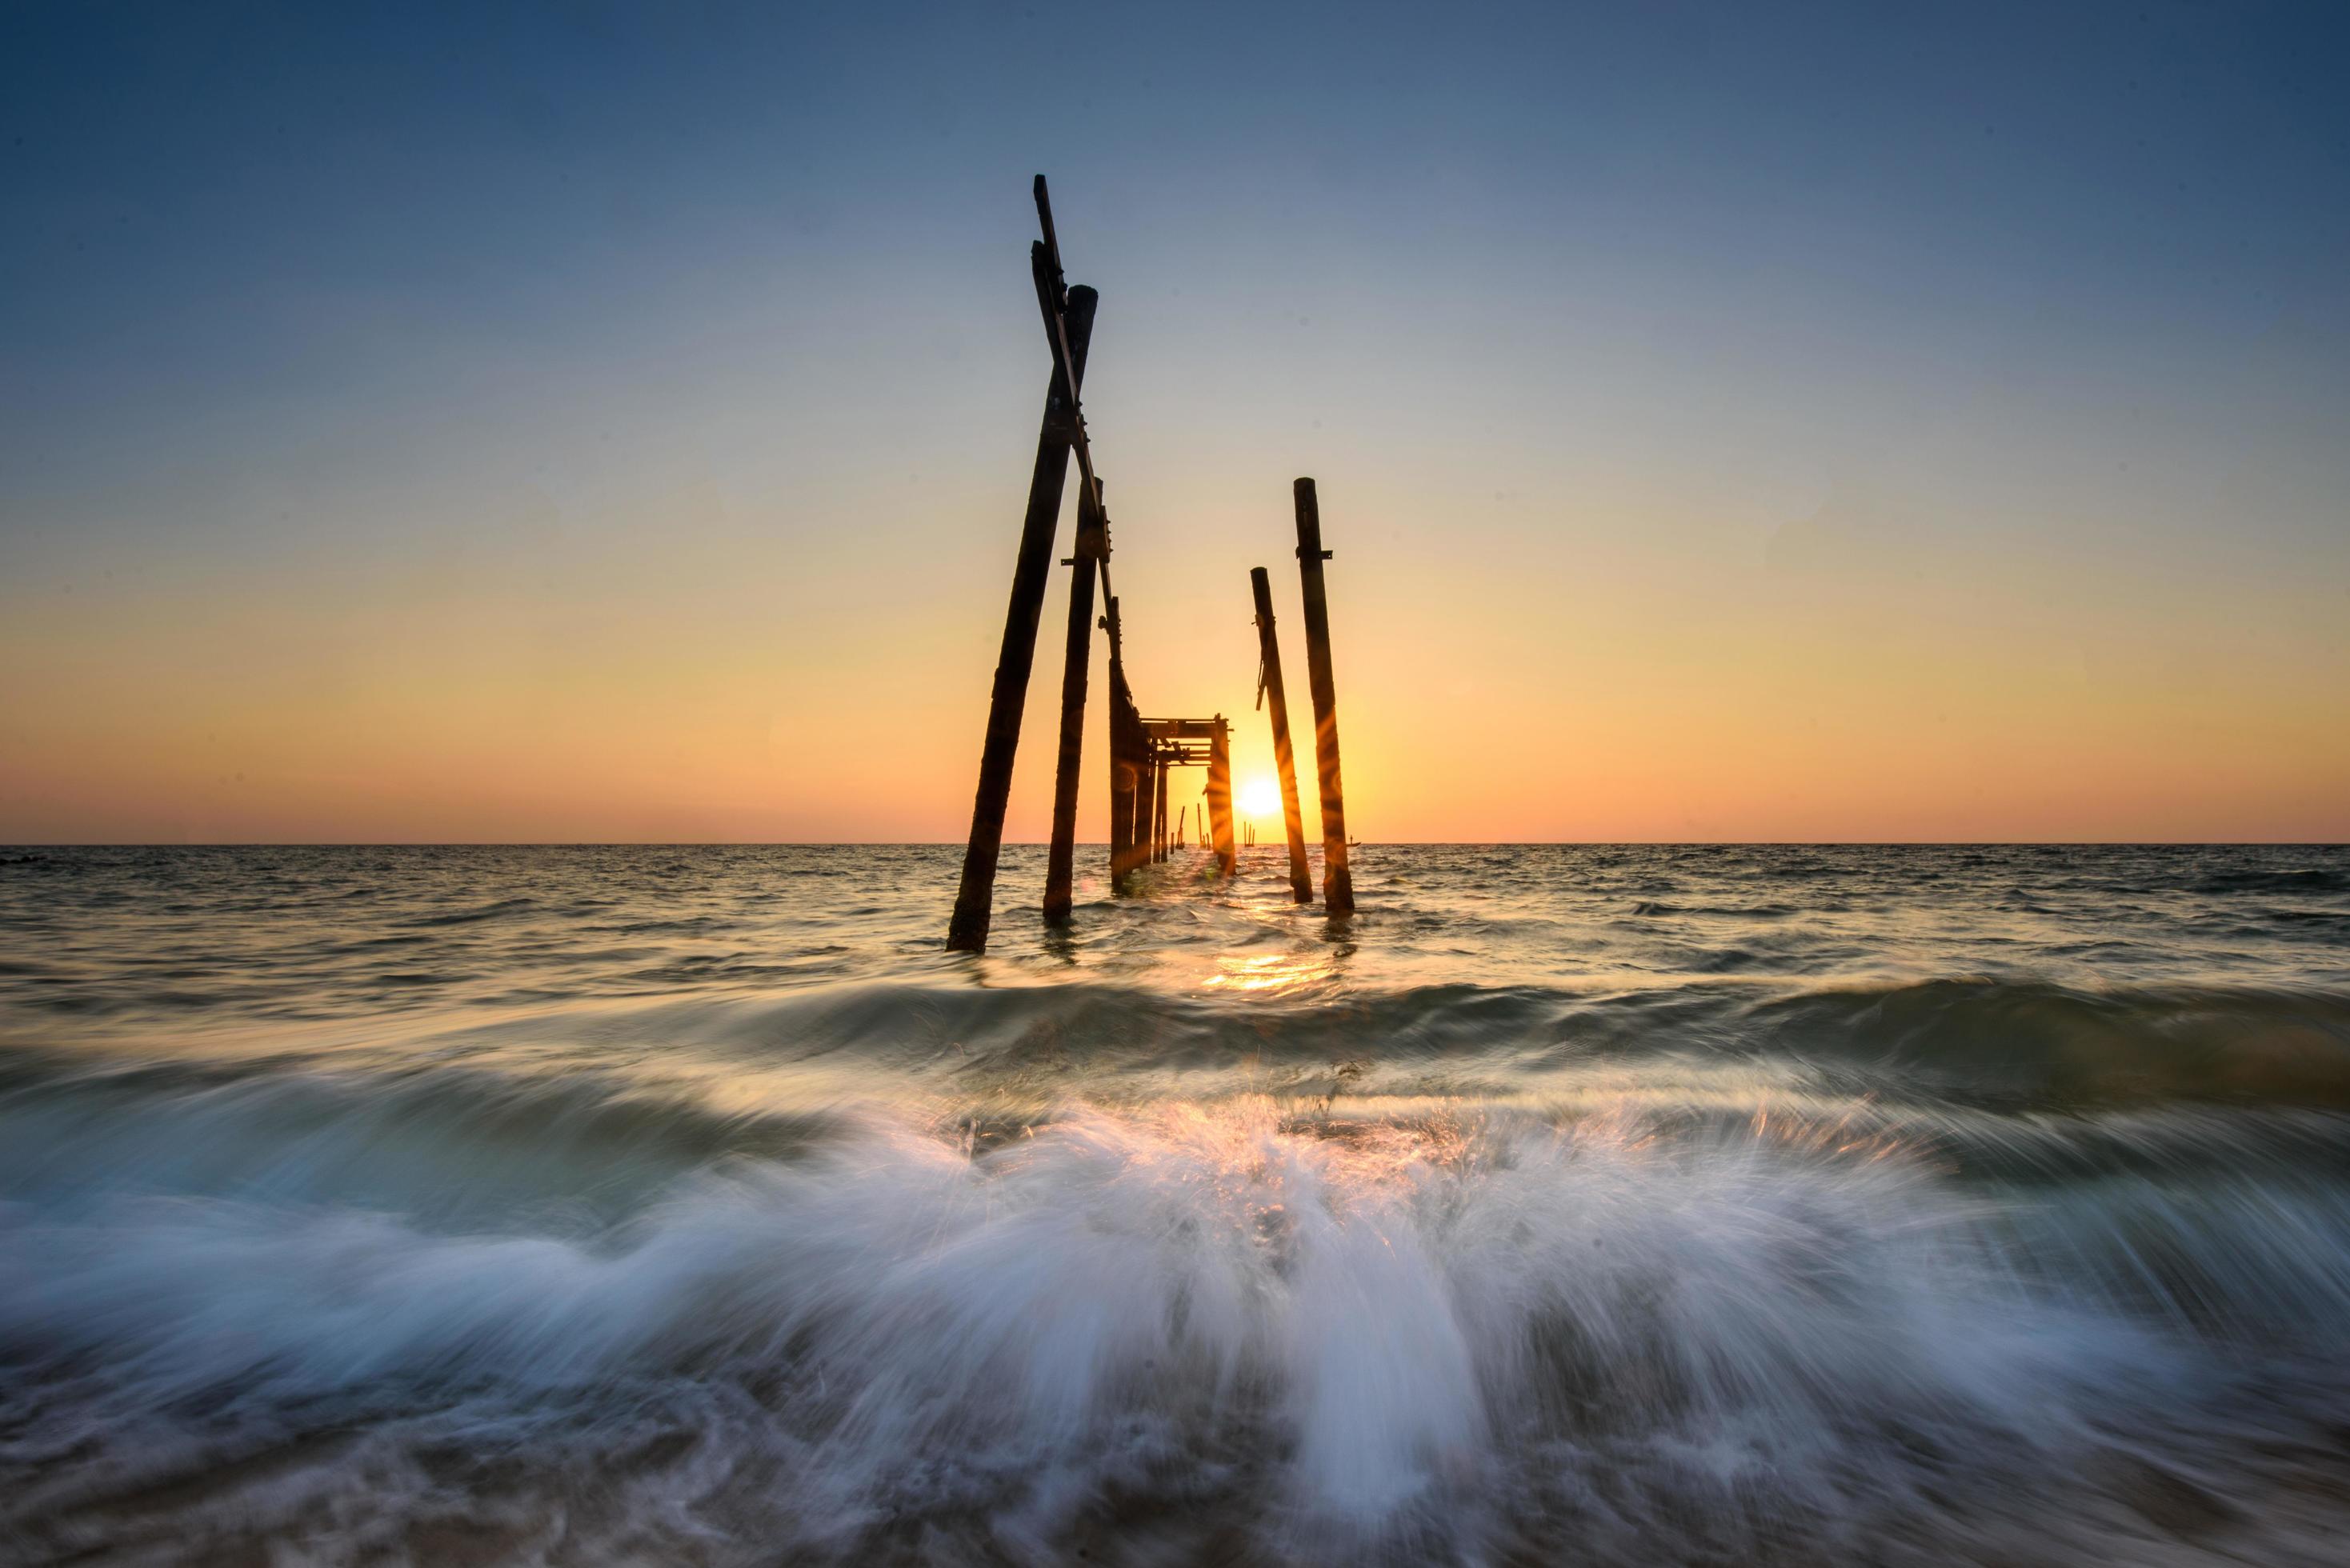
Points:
x=612, y=423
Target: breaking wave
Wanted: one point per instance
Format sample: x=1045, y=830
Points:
x=1233, y=1329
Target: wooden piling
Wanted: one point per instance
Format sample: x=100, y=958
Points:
x=1121, y=761
x=1337, y=883
x=1220, y=797
x=1060, y=859
x=975, y=897
x=1284, y=762
x=1077, y=653
x=1142, y=806
x=1159, y=814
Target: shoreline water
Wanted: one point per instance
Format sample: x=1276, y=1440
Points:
x=1623, y=1204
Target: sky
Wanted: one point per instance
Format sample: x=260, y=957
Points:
x=1731, y=422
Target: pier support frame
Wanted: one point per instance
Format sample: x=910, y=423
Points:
x=975, y=896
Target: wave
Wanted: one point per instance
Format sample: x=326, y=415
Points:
x=1215, y=1332
x=2035, y=1043
x=2008, y=1043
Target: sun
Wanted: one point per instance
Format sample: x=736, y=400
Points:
x=1259, y=797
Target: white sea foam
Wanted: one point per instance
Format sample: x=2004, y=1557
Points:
x=1322, y=1335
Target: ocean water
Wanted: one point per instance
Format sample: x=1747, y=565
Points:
x=1606, y=1205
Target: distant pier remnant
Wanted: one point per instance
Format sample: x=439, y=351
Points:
x=1337, y=883
x=1270, y=692
x=1143, y=753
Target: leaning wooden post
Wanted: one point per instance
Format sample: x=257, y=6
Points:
x=1337, y=885
x=1293, y=818
x=975, y=899
x=1220, y=797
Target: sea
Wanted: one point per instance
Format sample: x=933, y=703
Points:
x=1567, y=1204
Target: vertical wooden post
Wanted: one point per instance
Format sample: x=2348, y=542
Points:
x=1220, y=797
x=1159, y=813
x=1121, y=799
x=1060, y=859
x=1125, y=777
x=1284, y=762
x=1139, y=845
x=1137, y=762
x=975, y=897
x=1337, y=883
x=1092, y=555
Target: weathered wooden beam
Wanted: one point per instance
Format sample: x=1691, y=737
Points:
x=1159, y=813
x=1122, y=771
x=1140, y=843
x=1337, y=882
x=1071, y=333
x=1284, y=762
x=1076, y=654
x=1220, y=799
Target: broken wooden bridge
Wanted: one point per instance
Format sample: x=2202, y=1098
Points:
x=1142, y=752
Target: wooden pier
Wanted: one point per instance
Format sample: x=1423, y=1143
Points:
x=1142, y=753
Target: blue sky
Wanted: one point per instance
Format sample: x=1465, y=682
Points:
x=397, y=325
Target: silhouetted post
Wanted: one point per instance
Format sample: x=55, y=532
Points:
x=1337, y=885
x=1139, y=844
x=1293, y=818
x=1077, y=653
x=1122, y=763
x=1220, y=797
x=975, y=899
x=1138, y=841
x=1159, y=814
